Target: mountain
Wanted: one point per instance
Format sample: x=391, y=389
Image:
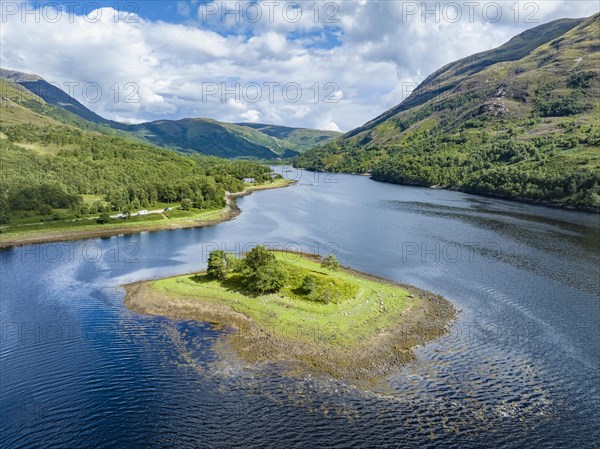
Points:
x=206, y=136
x=54, y=96
x=519, y=121
x=300, y=138
x=229, y=140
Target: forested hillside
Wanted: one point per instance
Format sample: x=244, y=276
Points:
x=207, y=136
x=52, y=170
x=520, y=121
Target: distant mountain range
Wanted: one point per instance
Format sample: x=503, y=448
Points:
x=231, y=140
x=201, y=135
x=520, y=121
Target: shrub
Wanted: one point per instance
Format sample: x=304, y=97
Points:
x=186, y=204
x=581, y=80
x=309, y=284
x=325, y=289
x=103, y=219
x=562, y=106
x=258, y=257
x=268, y=279
x=261, y=273
x=330, y=263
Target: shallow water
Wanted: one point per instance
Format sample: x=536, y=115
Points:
x=520, y=367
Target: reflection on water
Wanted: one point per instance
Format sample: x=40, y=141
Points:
x=519, y=367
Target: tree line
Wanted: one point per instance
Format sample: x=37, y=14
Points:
x=46, y=168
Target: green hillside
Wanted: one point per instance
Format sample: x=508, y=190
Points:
x=301, y=139
x=54, y=96
x=193, y=135
x=520, y=121
x=55, y=172
x=211, y=137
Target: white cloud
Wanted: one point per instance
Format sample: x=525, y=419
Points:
x=332, y=126
x=251, y=116
x=349, y=71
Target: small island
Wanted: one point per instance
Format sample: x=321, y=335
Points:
x=301, y=310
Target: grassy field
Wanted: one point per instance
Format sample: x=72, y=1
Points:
x=374, y=307
x=89, y=228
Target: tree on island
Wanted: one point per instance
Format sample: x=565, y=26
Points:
x=260, y=272
x=330, y=263
x=258, y=257
x=269, y=279
x=218, y=266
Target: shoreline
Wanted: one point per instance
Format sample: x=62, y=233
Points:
x=373, y=358
x=542, y=203
x=229, y=212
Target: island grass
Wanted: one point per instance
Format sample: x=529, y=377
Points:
x=375, y=306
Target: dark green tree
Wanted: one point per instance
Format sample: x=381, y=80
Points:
x=217, y=265
x=258, y=257
x=309, y=284
x=269, y=279
x=4, y=210
x=186, y=204
x=260, y=272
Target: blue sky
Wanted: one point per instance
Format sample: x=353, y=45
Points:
x=151, y=10
x=185, y=12
x=328, y=65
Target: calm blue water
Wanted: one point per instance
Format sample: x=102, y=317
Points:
x=520, y=367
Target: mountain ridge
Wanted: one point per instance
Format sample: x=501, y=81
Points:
x=523, y=129
x=479, y=60
x=202, y=135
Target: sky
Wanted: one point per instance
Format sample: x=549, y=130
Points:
x=319, y=64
